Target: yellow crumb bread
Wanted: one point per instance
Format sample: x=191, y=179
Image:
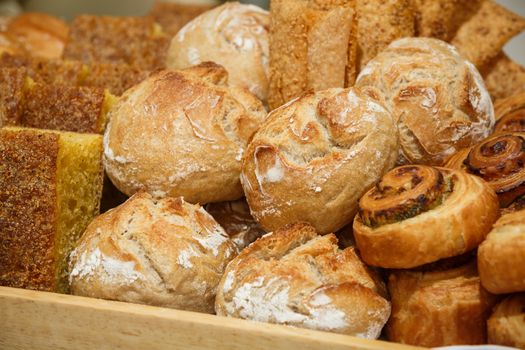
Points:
x=50, y=188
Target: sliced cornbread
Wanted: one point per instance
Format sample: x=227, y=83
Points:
x=50, y=188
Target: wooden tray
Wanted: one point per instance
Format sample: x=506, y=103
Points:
x=40, y=320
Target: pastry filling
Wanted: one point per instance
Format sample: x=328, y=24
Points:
x=403, y=193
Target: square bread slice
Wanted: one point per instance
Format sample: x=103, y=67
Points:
x=12, y=87
x=50, y=188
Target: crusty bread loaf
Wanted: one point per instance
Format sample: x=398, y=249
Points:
x=181, y=133
x=419, y=214
x=438, y=99
x=313, y=158
x=172, y=16
x=233, y=35
x=295, y=277
x=502, y=254
x=506, y=326
x=159, y=252
x=438, y=308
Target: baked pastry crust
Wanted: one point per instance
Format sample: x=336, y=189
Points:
x=437, y=98
x=502, y=254
x=159, y=252
x=506, y=326
x=313, y=158
x=295, y=277
x=418, y=228
x=438, y=308
x=510, y=114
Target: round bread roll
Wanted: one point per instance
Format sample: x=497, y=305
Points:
x=438, y=308
x=510, y=114
x=501, y=256
x=438, y=99
x=506, y=326
x=159, y=252
x=419, y=214
x=499, y=161
x=295, y=277
x=181, y=133
x=233, y=35
x=237, y=221
x=315, y=156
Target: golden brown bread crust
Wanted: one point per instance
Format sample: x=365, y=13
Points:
x=483, y=36
x=295, y=277
x=63, y=107
x=117, y=78
x=38, y=34
x=510, y=113
x=313, y=45
x=172, y=16
x=438, y=99
x=182, y=133
x=452, y=226
x=506, y=326
x=101, y=39
x=159, y=252
x=12, y=95
x=28, y=213
x=233, y=35
x=313, y=158
x=504, y=77
x=438, y=308
x=502, y=254
x=499, y=161
x=380, y=22
x=237, y=221
x=441, y=19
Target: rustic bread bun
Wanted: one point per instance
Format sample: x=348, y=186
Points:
x=502, y=255
x=506, y=326
x=438, y=99
x=419, y=214
x=438, y=308
x=295, y=277
x=181, y=133
x=233, y=35
x=159, y=252
x=237, y=221
x=314, y=157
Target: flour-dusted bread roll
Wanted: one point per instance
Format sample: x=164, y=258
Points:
x=314, y=157
x=233, y=35
x=438, y=307
x=159, y=252
x=419, y=214
x=506, y=326
x=181, y=133
x=438, y=99
x=296, y=277
x=501, y=256
x=237, y=221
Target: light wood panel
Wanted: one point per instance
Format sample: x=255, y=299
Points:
x=40, y=320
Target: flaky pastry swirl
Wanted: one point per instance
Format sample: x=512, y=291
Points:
x=419, y=214
x=510, y=114
x=506, y=326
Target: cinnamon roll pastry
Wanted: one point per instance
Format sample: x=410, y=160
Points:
x=506, y=326
x=501, y=256
x=438, y=308
x=419, y=214
x=498, y=160
x=510, y=114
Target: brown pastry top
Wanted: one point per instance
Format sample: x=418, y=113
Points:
x=510, y=114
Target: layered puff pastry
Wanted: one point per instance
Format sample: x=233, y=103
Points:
x=502, y=255
x=419, y=214
x=499, y=161
x=506, y=326
x=438, y=307
x=510, y=114
x=296, y=277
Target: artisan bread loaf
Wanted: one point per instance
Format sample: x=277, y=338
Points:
x=438, y=99
x=233, y=35
x=181, y=133
x=295, y=277
x=158, y=252
x=314, y=157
